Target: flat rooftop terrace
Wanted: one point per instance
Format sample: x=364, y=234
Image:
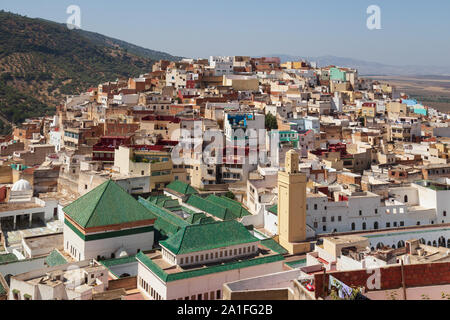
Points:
x=169, y=268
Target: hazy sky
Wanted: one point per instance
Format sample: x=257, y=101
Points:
x=413, y=31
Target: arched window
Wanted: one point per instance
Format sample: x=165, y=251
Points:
x=353, y=226
x=375, y=225
x=405, y=198
x=364, y=226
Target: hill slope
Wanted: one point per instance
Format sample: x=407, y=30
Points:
x=41, y=61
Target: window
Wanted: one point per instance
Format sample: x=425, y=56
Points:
x=360, y=212
x=375, y=225
x=444, y=213
x=315, y=207
x=395, y=223
x=218, y=294
x=418, y=223
x=376, y=211
x=405, y=198
x=364, y=226
x=402, y=223
x=324, y=219
x=332, y=219
x=324, y=228
x=316, y=225
x=181, y=260
x=353, y=226
x=339, y=218
x=388, y=224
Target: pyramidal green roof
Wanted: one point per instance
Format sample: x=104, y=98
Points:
x=181, y=187
x=108, y=204
x=199, y=237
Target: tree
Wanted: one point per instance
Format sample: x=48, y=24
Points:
x=230, y=195
x=271, y=122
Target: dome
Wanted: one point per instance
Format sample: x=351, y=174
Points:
x=21, y=185
x=121, y=253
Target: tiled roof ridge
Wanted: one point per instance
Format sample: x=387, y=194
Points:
x=99, y=198
x=182, y=237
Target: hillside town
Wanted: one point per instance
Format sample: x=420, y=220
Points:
x=228, y=178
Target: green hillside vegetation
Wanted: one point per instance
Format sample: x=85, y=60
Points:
x=42, y=61
x=129, y=47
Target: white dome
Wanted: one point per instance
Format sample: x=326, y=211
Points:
x=21, y=185
x=121, y=253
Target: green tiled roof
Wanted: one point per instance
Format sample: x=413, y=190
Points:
x=235, y=207
x=108, y=204
x=273, y=245
x=274, y=209
x=8, y=258
x=205, y=220
x=165, y=202
x=211, y=208
x=193, y=218
x=296, y=263
x=118, y=261
x=227, y=266
x=166, y=222
x=181, y=187
x=55, y=258
x=199, y=237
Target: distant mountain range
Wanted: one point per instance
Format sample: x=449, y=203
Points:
x=370, y=68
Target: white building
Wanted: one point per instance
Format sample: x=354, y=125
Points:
x=221, y=65
x=194, y=263
x=106, y=223
x=422, y=203
x=74, y=281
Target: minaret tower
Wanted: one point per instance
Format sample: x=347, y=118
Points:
x=292, y=206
